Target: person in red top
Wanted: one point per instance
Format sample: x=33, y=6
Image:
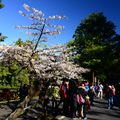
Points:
x=63, y=90
x=64, y=96
x=114, y=90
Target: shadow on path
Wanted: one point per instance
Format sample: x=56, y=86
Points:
x=100, y=112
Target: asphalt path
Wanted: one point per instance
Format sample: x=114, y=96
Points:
x=98, y=111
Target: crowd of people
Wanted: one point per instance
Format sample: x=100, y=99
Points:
x=75, y=97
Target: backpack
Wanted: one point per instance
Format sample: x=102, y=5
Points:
x=80, y=99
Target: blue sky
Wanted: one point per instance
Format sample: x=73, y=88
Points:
x=75, y=10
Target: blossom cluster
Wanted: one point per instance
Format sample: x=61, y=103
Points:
x=39, y=20
x=52, y=62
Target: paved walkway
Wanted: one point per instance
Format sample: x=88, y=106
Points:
x=100, y=112
x=97, y=112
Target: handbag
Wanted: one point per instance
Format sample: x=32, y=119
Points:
x=80, y=99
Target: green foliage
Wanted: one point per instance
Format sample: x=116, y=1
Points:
x=9, y=70
x=2, y=5
x=29, y=43
x=9, y=76
x=94, y=30
x=19, y=42
x=93, y=42
x=102, y=77
x=71, y=43
x=2, y=38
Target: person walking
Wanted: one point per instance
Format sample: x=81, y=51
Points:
x=81, y=102
x=91, y=94
x=64, y=97
x=110, y=97
x=72, y=97
x=100, y=91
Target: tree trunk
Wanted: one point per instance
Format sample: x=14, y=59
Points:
x=23, y=105
x=20, y=109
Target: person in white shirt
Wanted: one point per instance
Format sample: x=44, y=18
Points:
x=100, y=91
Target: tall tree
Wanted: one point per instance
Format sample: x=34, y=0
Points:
x=51, y=63
x=93, y=43
x=42, y=27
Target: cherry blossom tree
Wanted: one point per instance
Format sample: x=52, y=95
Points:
x=51, y=63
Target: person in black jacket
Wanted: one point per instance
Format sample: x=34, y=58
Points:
x=72, y=97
